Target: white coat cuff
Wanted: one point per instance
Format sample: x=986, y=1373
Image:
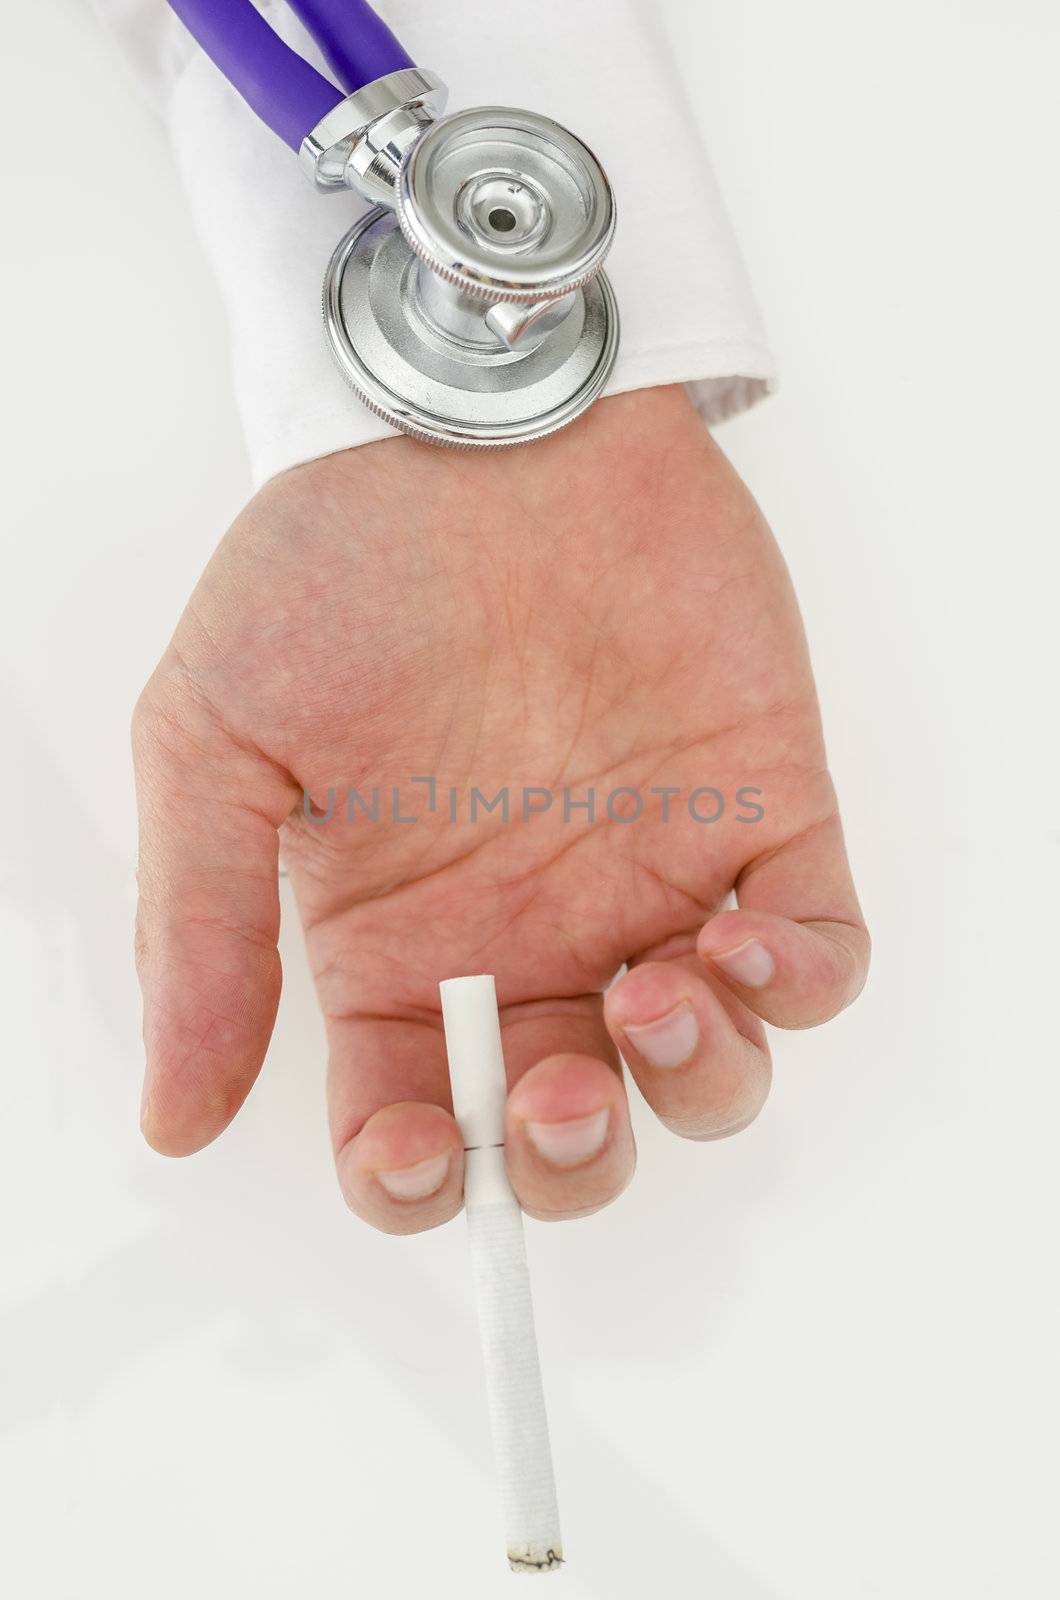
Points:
x=599, y=66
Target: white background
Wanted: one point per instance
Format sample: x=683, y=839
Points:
x=811, y=1363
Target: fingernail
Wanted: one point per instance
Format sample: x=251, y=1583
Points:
x=418, y=1181
x=568, y=1144
x=749, y=964
x=669, y=1041
x=145, y=1107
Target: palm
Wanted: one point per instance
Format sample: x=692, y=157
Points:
x=604, y=612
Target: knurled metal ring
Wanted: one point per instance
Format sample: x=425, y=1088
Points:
x=506, y=205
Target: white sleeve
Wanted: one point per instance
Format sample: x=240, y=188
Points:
x=599, y=66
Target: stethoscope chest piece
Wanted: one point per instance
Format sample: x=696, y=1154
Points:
x=475, y=312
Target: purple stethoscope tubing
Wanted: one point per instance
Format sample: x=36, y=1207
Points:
x=286, y=92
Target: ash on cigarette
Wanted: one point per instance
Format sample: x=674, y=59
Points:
x=522, y=1561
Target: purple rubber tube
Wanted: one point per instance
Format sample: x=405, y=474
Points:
x=285, y=91
x=358, y=45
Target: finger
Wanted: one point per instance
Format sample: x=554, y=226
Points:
x=404, y=1171
x=699, y=1058
x=399, y=1154
x=797, y=949
x=373, y=1058
x=568, y=1140
x=208, y=915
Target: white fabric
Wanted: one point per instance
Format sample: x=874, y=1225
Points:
x=600, y=66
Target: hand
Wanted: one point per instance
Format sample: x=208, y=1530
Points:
x=604, y=610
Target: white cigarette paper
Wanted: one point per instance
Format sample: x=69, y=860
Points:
x=502, y=1283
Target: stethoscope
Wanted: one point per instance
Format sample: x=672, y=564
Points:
x=468, y=306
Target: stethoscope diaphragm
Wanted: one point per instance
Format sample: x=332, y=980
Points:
x=465, y=389
x=470, y=306
x=478, y=314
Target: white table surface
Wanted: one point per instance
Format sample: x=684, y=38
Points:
x=811, y=1363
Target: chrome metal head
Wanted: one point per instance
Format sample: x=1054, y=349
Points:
x=479, y=315
x=465, y=389
x=506, y=204
x=362, y=142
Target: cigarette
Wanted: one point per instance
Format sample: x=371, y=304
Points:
x=502, y=1283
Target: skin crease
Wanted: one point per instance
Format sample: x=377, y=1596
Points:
x=605, y=608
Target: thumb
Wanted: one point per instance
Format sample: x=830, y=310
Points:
x=208, y=913
x=797, y=949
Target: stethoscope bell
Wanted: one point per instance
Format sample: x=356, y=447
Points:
x=475, y=312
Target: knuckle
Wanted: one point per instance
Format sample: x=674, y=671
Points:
x=140, y=942
x=156, y=727
x=172, y=719
x=141, y=724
